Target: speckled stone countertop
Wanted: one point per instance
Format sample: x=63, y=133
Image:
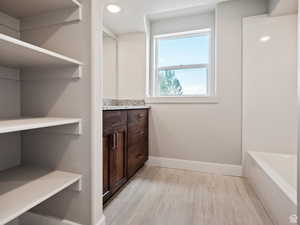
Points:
x=124, y=104
x=124, y=107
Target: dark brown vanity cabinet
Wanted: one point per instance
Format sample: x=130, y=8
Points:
x=125, y=147
x=114, y=151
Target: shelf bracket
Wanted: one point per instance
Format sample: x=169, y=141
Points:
x=77, y=187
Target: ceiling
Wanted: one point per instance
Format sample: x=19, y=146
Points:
x=131, y=18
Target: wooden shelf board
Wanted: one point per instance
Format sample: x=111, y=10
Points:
x=21, y=9
x=19, y=54
x=23, y=188
x=22, y=124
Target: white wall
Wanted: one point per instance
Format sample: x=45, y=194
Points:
x=283, y=7
x=270, y=84
x=185, y=23
x=110, y=76
x=125, y=66
x=132, y=65
x=209, y=132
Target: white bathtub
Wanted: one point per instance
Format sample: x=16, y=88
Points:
x=274, y=179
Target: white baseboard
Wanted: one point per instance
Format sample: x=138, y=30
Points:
x=215, y=168
x=30, y=218
x=36, y=219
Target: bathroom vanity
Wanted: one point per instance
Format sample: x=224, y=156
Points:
x=125, y=145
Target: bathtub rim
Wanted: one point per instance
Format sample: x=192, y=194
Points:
x=285, y=187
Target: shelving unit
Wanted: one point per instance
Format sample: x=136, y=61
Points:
x=25, y=67
x=23, y=188
x=19, y=54
x=37, y=14
x=8, y=126
x=35, y=7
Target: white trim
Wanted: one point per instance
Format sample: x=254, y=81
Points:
x=96, y=94
x=154, y=73
x=182, y=67
x=210, y=72
x=206, y=167
x=183, y=34
x=183, y=100
x=102, y=221
x=148, y=54
x=35, y=219
x=109, y=33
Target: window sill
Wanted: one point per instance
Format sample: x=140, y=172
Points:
x=182, y=100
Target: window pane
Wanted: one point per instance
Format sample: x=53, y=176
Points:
x=183, y=82
x=183, y=51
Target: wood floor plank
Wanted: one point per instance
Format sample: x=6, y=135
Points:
x=162, y=196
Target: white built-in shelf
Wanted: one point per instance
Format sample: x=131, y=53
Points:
x=15, y=125
x=19, y=54
x=21, y=9
x=23, y=188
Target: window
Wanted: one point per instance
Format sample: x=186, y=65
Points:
x=182, y=65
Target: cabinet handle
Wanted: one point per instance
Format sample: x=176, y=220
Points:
x=114, y=141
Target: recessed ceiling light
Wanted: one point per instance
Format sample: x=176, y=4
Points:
x=113, y=8
x=265, y=38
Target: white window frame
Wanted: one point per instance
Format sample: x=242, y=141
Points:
x=154, y=88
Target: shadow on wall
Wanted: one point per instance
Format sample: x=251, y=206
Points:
x=50, y=38
x=51, y=151
x=41, y=98
x=273, y=4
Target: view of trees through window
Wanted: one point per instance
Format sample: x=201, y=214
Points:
x=169, y=84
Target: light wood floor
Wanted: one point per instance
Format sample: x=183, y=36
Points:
x=160, y=196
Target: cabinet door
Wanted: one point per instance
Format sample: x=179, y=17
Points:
x=137, y=156
x=107, y=138
x=118, y=159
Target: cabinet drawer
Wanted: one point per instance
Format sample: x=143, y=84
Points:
x=113, y=119
x=137, y=116
x=137, y=132
x=137, y=156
